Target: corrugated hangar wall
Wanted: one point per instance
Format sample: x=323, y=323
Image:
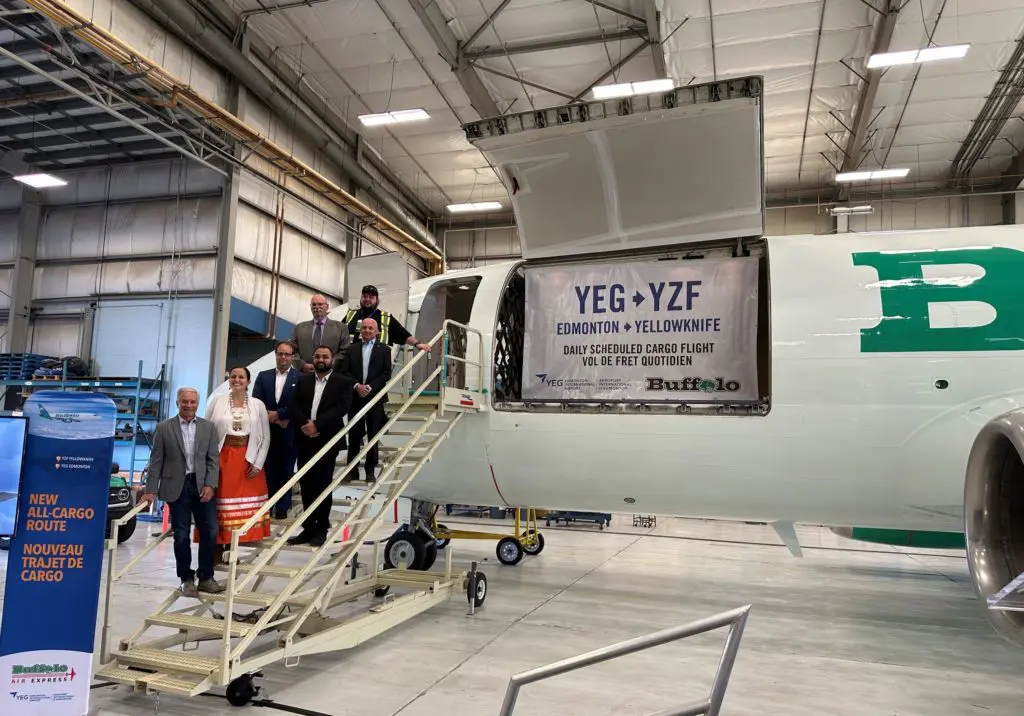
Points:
x=125, y=267
x=466, y=248
x=128, y=255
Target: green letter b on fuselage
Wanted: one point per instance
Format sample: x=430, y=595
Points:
x=906, y=295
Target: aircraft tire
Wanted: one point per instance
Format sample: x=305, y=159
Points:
x=510, y=551
x=404, y=549
x=534, y=551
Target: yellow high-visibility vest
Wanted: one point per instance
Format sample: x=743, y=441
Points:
x=385, y=323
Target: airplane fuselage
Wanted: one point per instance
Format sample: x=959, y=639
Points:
x=888, y=353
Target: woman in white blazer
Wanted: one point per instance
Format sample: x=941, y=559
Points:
x=244, y=433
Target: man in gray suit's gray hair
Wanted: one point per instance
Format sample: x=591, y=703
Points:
x=184, y=468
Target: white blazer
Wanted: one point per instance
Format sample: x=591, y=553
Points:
x=218, y=411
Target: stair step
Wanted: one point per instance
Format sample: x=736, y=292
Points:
x=253, y=599
x=160, y=682
x=187, y=622
x=270, y=570
x=410, y=433
x=177, y=662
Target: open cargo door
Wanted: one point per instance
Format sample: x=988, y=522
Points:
x=389, y=273
x=641, y=220
x=642, y=172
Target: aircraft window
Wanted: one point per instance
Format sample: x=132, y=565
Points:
x=508, y=342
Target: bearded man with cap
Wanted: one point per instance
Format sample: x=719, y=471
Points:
x=392, y=332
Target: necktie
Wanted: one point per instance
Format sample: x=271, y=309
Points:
x=318, y=334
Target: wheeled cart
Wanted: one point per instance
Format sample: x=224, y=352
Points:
x=526, y=538
x=600, y=518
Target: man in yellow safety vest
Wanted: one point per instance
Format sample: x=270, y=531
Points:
x=392, y=333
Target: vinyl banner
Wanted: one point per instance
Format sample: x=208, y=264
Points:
x=56, y=555
x=659, y=331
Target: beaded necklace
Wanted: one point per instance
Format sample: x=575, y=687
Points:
x=238, y=412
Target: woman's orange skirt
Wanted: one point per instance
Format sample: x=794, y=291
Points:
x=239, y=497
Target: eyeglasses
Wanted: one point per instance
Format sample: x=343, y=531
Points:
x=288, y=355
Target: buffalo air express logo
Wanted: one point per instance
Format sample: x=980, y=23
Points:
x=907, y=296
x=41, y=673
x=691, y=385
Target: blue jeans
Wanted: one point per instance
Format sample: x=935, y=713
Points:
x=183, y=510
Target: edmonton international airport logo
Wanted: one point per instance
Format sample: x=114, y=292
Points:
x=41, y=673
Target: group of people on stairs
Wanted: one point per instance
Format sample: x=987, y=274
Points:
x=219, y=470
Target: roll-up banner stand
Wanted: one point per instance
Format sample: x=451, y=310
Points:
x=55, y=561
x=645, y=332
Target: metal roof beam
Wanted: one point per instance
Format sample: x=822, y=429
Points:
x=87, y=135
x=654, y=37
x=106, y=149
x=522, y=48
x=436, y=24
x=613, y=70
x=869, y=88
x=486, y=23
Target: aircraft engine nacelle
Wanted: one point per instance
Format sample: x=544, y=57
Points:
x=994, y=515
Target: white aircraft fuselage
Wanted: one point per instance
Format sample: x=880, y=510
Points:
x=881, y=374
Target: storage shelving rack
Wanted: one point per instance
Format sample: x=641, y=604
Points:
x=144, y=392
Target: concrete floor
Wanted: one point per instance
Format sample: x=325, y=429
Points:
x=849, y=630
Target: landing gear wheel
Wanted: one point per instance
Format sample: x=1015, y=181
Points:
x=429, y=556
x=405, y=550
x=478, y=595
x=538, y=546
x=241, y=691
x=442, y=543
x=509, y=551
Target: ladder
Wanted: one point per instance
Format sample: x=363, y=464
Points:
x=289, y=590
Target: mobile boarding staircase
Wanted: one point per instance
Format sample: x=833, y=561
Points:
x=299, y=596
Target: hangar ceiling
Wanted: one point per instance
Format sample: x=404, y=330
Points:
x=950, y=122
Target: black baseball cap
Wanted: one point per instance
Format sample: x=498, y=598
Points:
x=370, y=290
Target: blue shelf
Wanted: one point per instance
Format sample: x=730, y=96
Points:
x=145, y=383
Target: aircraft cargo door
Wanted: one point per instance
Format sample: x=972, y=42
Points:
x=389, y=273
x=634, y=173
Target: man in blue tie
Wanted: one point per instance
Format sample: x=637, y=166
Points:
x=276, y=387
x=368, y=364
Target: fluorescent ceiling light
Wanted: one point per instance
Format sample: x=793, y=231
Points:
x=40, y=181
x=474, y=206
x=846, y=210
x=910, y=57
x=401, y=115
x=628, y=89
x=873, y=174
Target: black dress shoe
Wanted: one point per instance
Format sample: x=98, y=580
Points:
x=301, y=538
x=318, y=540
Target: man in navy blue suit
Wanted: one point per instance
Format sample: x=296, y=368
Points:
x=276, y=387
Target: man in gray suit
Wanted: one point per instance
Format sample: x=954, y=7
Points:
x=321, y=331
x=184, y=468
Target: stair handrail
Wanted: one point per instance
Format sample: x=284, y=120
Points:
x=736, y=619
x=348, y=551
x=329, y=445
x=285, y=593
